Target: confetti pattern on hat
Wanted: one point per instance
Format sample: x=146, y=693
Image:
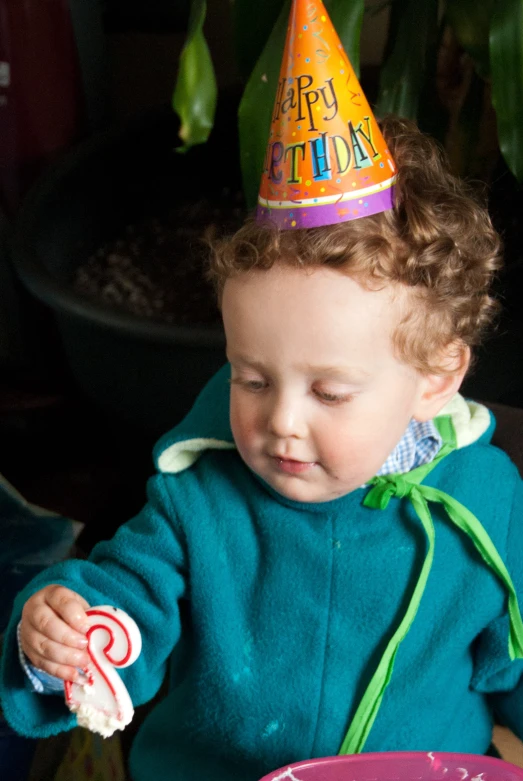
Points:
x=326, y=159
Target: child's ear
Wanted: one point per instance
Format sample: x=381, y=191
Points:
x=437, y=389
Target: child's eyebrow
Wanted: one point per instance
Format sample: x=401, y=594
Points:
x=347, y=373
x=245, y=361
x=340, y=372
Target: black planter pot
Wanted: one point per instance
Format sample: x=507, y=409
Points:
x=143, y=371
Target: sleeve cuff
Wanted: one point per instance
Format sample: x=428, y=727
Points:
x=40, y=681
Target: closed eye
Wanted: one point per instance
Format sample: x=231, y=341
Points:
x=251, y=385
x=333, y=398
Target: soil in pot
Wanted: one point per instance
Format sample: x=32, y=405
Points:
x=156, y=269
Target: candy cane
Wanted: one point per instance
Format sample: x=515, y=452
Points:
x=103, y=704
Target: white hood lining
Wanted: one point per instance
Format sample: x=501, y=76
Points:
x=182, y=455
x=470, y=419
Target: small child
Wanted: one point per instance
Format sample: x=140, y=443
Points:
x=284, y=572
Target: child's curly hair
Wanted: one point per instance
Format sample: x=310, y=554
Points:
x=438, y=241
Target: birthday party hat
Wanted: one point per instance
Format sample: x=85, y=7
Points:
x=326, y=160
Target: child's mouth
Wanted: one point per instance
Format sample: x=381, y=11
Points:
x=291, y=467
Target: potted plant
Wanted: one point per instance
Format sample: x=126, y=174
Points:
x=148, y=370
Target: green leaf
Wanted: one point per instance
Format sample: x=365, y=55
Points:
x=470, y=22
x=506, y=62
x=256, y=106
x=252, y=25
x=347, y=18
x=195, y=94
x=413, y=25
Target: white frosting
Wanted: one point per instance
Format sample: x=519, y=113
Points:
x=95, y=720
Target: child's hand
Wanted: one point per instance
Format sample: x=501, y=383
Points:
x=52, y=632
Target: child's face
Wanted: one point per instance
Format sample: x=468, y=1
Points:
x=318, y=398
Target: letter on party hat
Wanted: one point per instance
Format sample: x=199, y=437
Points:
x=326, y=160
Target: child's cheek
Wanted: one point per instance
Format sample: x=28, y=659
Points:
x=335, y=455
x=340, y=447
x=244, y=421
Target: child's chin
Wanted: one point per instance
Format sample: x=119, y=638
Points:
x=300, y=491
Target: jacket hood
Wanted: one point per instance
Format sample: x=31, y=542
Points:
x=207, y=426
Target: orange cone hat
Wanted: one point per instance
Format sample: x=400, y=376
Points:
x=326, y=159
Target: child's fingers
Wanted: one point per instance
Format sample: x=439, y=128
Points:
x=39, y=620
x=69, y=606
x=50, y=656
x=63, y=671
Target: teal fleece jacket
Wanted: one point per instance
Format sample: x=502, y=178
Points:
x=271, y=616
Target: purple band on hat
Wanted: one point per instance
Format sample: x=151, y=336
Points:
x=316, y=215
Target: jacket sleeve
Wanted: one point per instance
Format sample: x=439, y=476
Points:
x=500, y=678
x=142, y=570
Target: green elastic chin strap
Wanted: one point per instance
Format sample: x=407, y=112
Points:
x=409, y=485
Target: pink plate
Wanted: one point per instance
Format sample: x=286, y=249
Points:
x=400, y=766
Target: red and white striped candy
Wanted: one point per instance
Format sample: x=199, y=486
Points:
x=103, y=704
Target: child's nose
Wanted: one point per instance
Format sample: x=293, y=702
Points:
x=286, y=419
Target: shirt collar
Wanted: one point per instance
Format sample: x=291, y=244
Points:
x=419, y=445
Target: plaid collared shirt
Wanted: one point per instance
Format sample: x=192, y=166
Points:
x=419, y=445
